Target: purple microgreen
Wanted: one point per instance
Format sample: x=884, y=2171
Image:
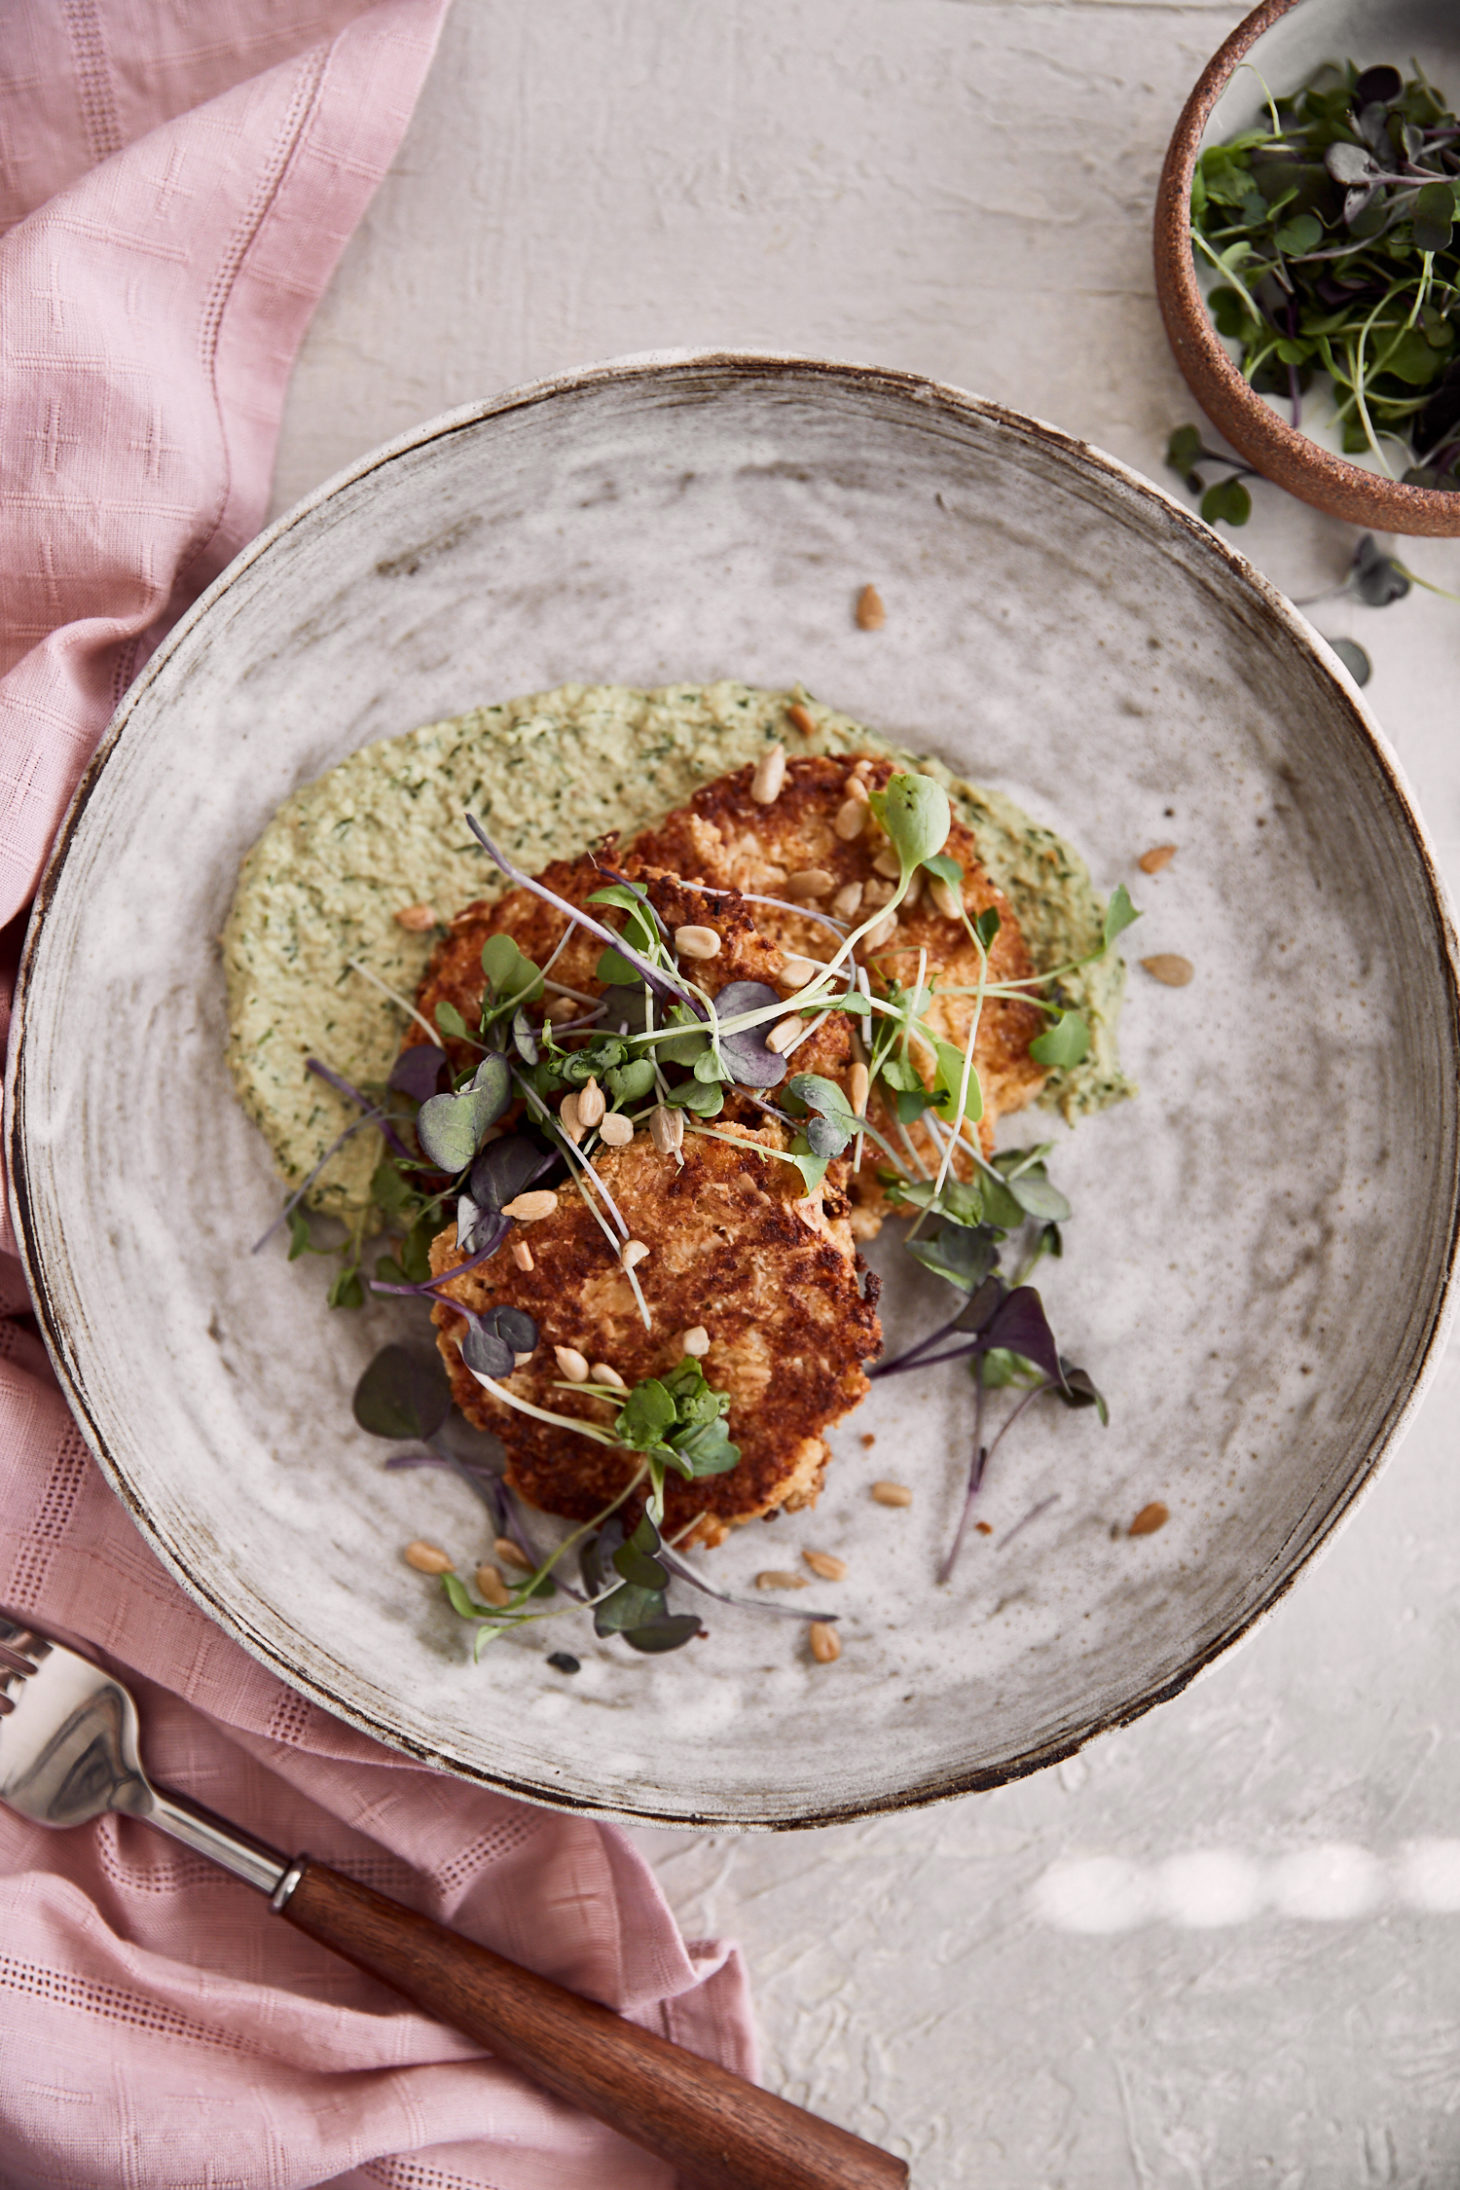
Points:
x=1079, y=1390
x=342, y=1086
x=506, y=1168
x=372, y=1117
x=404, y=1393
x=417, y=1072
x=683, y=1571
x=450, y=1127
x=1032, y=1515
x=661, y=983
x=744, y=1049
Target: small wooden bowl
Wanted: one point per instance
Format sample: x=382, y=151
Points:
x=1280, y=452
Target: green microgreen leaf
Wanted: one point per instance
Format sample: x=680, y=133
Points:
x=916, y=815
x=946, y=869
x=1120, y=914
x=1226, y=502
x=510, y=973
x=1064, y=1044
x=450, y=1021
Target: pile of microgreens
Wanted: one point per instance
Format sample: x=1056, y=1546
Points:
x=654, y=1039
x=1333, y=232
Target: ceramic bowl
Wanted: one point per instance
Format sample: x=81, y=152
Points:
x=1257, y=1266
x=1280, y=44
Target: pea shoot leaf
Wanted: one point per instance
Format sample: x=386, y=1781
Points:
x=946, y=869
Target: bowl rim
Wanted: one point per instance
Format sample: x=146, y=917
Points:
x=948, y=1784
x=1284, y=454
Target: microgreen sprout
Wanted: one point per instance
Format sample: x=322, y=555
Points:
x=1333, y=236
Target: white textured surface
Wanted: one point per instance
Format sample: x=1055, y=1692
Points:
x=963, y=189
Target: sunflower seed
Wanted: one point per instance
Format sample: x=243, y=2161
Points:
x=415, y=919
x=696, y=942
x=531, y=1207
x=770, y=774
x=851, y=818
x=826, y=1565
x=892, y=1494
x=428, y=1558
x=825, y=1642
x=572, y=1363
x=616, y=1129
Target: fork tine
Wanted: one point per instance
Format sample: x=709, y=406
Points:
x=14, y=1661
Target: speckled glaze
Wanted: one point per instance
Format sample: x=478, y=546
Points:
x=1284, y=41
x=1257, y=1268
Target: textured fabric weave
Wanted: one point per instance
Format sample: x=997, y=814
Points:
x=176, y=184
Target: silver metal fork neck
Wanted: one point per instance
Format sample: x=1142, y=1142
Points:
x=249, y=1859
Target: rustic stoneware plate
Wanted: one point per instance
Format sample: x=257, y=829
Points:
x=1258, y=1263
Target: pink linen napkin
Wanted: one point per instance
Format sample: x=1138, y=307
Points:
x=176, y=185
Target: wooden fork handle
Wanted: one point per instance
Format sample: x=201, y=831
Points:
x=719, y=2129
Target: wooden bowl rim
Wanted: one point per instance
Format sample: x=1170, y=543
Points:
x=1282, y=453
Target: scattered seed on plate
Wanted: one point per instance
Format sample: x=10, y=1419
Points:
x=490, y=1586
x=892, y=1494
x=801, y=719
x=692, y=941
x=573, y=1364
x=605, y=1373
x=632, y=1253
x=770, y=774
x=784, y=1033
x=869, y=1438
x=695, y=1341
x=826, y=1646
x=827, y=1565
x=982, y=1528
x=1159, y=856
x=871, y=614
x=522, y=1255
x=809, y=882
x=777, y=1578
x=428, y=1558
x=506, y=1553
x=1150, y=1518
x=1166, y=967
x=851, y=818
x=616, y=1129
x=416, y=918
x=531, y=1207
x=591, y=1103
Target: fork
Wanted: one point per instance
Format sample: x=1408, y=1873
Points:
x=69, y=1752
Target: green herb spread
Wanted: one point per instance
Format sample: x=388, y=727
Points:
x=549, y=774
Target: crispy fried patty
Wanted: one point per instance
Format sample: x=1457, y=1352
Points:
x=724, y=837
x=737, y=1246
x=454, y=975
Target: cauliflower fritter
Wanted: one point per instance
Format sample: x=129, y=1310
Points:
x=723, y=837
x=738, y=1246
x=454, y=974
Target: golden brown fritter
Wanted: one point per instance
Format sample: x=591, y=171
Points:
x=455, y=971
x=724, y=838
x=736, y=1245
